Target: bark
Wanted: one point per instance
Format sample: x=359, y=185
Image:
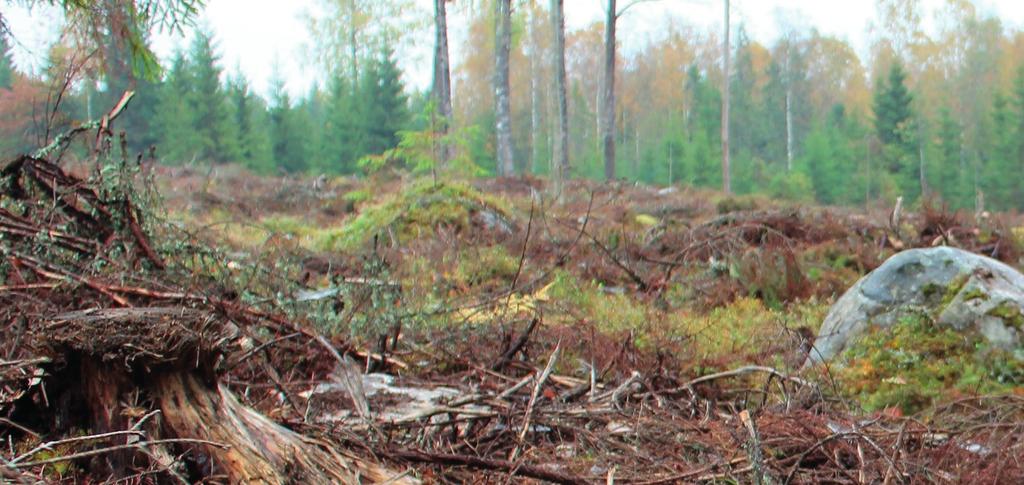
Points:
x=535, y=75
x=442, y=76
x=726, y=171
x=503, y=110
x=789, y=127
x=561, y=158
x=352, y=47
x=608, y=87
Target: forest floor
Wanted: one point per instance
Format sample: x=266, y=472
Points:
x=481, y=332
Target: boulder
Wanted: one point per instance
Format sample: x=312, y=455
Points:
x=956, y=288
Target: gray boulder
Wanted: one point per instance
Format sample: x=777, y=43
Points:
x=957, y=288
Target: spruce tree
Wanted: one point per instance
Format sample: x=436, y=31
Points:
x=287, y=139
x=340, y=127
x=384, y=111
x=6, y=66
x=250, y=118
x=947, y=174
x=218, y=135
x=178, y=140
x=895, y=130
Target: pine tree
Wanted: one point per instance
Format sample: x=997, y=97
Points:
x=6, y=66
x=218, y=135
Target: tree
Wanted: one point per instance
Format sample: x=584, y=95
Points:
x=726, y=176
x=502, y=88
x=893, y=127
x=6, y=66
x=287, y=131
x=560, y=169
x=96, y=22
x=178, y=140
x=384, y=107
x=352, y=31
x=218, y=135
x=250, y=116
x=442, y=88
x=608, y=91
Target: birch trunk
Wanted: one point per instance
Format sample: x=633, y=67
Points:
x=442, y=76
x=726, y=182
x=561, y=158
x=503, y=110
x=608, y=86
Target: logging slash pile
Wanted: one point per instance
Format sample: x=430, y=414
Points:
x=115, y=356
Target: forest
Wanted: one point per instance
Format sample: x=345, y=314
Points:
x=579, y=254
x=934, y=113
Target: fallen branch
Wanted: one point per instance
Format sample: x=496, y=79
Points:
x=516, y=469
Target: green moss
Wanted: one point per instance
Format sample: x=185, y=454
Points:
x=417, y=210
x=1009, y=313
x=916, y=363
x=954, y=287
x=975, y=294
x=481, y=265
x=930, y=290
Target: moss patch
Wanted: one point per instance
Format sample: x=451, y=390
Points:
x=420, y=208
x=1008, y=313
x=916, y=363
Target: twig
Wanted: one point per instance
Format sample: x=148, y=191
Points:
x=516, y=347
x=533, y=400
x=450, y=459
x=109, y=449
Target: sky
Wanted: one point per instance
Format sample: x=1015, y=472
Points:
x=259, y=37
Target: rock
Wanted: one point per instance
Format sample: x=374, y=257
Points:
x=959, y=289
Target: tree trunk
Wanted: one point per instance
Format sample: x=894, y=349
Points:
x=503, y=109
x=561, y=158
x=442, y=76
x=789, y=127
x=352, y=47
x=608, y=86
x=726, y=171
x=535, y=75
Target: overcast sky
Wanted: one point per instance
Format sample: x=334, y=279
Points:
x=253, y=35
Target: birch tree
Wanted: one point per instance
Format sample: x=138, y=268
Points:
x=561, y=159
x=442, y=89
x=502, y=87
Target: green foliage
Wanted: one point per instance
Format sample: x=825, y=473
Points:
x=217, y=132
x=6, y=68
x=895, y=129
x=796, y=186
x=610, y=312
x=421, y=207
x=916, y=363
x=174, y=120
x=418, y=151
